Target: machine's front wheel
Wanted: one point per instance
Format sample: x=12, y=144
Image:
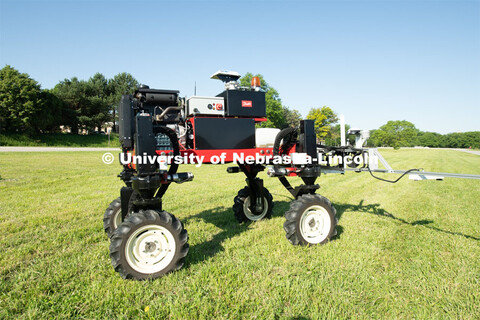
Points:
x=148, y=244
x=241, y=206
x=310, y=220
x=112, y=217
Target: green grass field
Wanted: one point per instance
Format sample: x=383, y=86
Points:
x=59, y=140
x=408, y=250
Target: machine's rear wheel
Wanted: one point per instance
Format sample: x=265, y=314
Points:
x=148, y=244
x=241, y=206
x=310, y=220
x=112, y=217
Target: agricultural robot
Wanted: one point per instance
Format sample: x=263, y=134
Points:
x=160, y=129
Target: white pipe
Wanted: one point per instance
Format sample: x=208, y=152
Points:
x=342, y=131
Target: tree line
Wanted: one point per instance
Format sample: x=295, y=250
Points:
x=88, y=105
x=404, y=134
x=80, y=105
x=395, y=134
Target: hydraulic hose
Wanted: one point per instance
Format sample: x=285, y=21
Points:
x=173, y=167
x=289, y=136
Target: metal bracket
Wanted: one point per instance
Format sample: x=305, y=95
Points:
x=373, y=157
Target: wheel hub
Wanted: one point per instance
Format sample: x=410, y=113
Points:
x=254, y=216
x=258, y=207
x=150, y=249
x=315, y=224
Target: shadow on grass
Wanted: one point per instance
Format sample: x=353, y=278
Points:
x=377, y=210
x=221, y=218
x=224, y=219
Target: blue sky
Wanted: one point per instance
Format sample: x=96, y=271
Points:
x=372, y=61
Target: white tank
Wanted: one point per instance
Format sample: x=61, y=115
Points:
x=265, y=137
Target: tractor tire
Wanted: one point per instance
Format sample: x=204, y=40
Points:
x=148, y=244
x=310, y=220
x=242, y=202
x=112, y=217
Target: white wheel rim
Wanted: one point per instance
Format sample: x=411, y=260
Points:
x=117, y=219
x=248, y=212
x=315, y=224
x=150, y=249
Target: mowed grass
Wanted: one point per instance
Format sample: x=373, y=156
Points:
x=59, y=140
x=407, y=250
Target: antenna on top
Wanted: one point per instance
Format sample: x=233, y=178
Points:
x=195, y=89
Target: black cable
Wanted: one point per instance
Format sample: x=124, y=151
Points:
x=392, y=181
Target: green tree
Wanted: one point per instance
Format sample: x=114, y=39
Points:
x=89, y=104
x=324, y=119
x=429, y=139
x=98, y=101
x=73, y=94
x=122, y=83
x=333, y=137
x=20, y=100
x=461, y=140
x=48, y=118
x=472, y=139
x=292, y=117
x=275, y=111
x=396, y=134
x=373, y=140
